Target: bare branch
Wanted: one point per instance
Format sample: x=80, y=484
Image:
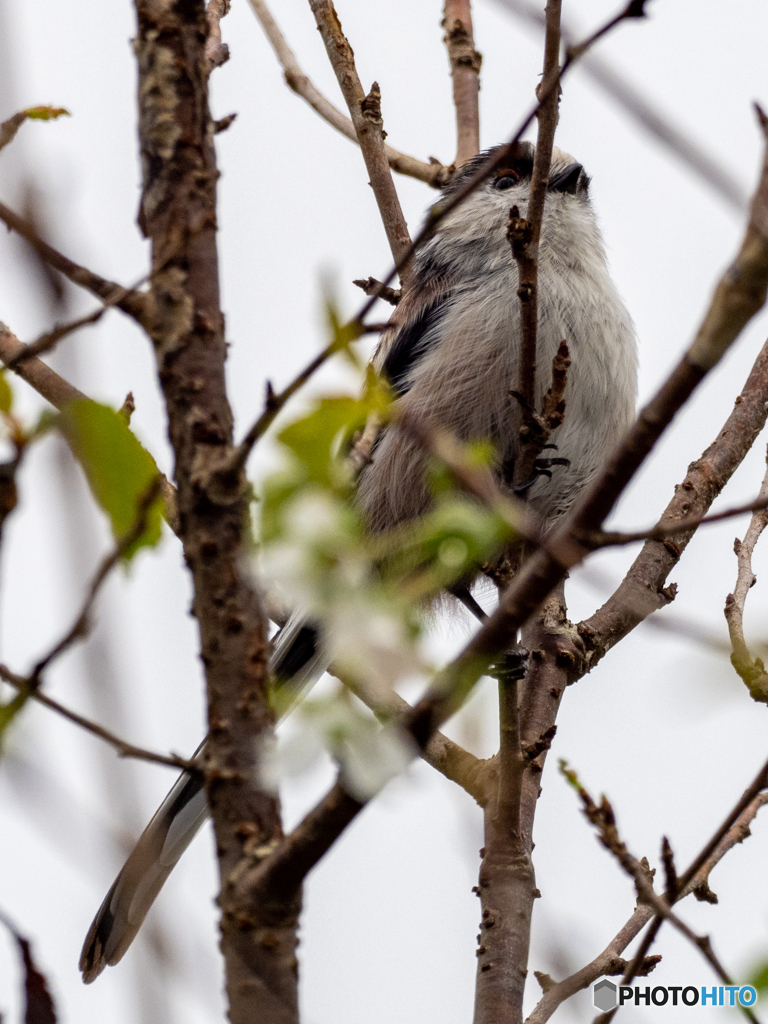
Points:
x=645, y=113
x=471, y=773
x=604, y=539
x=365, y=112
x=81, y=626
x=29, y=686
x=642, y=592
x=46, y=342
x=130, y=302
x=433, y=173
x=603, y=818
x=124, y=749
x=751, y=671
x=609, y=961
x=216, y=52
x=373, y=287
x=465, y=64
x=42, y=378
x=178, y=216
x=236, y=459
x=633, y=9
x=524, y=236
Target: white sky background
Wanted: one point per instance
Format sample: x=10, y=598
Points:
x=665, y=729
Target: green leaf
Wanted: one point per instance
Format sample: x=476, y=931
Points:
x=9, y=711
x=46, y=113
x=342, y=334
x=6, y=395
x=119, y=470
x=759, y=978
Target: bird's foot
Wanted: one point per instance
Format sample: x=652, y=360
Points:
x=513, y=665
x=541, y=467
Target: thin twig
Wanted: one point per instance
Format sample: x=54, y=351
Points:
x=42, y=378
x=124, y=749
x=216, y=52
x=273, y=403
x=131, y=302
x=29, y=686
x=365, y=112
x=373, y=287
x=524, y=235
x=643, y=591
x=80, y=626
x=634, y=9
x=609, y=961
x=433, y=173
x=752, y=671
x=465, y=64
x=471, y=773
x=645, y=113
x=46, y=342
x=603, y=818
x=662, y=529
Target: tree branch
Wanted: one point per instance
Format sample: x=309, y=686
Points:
x=605, y=539
x=751, y=671
x=365, y=112
x=603, y=818
x=465, y=64
x=633, y=9
x=124, y=749
x=433, y=173
x=131, y=302
x=472, y=774
x=642, y=592
x=81, y=626
x=216, y=52
x=609, y=961
x=645, y=114
x=42, y=378
x=186, y=326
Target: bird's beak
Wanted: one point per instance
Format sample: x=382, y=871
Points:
x=567, y=179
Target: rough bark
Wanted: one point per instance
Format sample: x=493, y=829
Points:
x=178, y=215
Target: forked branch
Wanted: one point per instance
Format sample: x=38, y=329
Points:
x=432, y=173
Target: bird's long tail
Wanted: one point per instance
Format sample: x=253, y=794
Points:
x=297, y=661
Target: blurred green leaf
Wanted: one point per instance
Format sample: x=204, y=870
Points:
x=6, y=395
x=9, y=711
x=342, y=334
x=119, y=470
x=759, y=977
x=46, y=113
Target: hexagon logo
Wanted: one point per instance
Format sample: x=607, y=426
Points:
x=604, y=995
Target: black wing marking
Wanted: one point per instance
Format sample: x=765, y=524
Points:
x=410, y=344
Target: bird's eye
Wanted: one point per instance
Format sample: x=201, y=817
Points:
x=505, y=181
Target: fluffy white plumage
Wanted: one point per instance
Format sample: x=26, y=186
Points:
x=461, y=320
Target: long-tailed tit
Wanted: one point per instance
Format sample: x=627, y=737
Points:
x=451, y=353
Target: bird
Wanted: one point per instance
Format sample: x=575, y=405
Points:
x=450, y=353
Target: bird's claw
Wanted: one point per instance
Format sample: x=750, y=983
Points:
x=512, y=666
